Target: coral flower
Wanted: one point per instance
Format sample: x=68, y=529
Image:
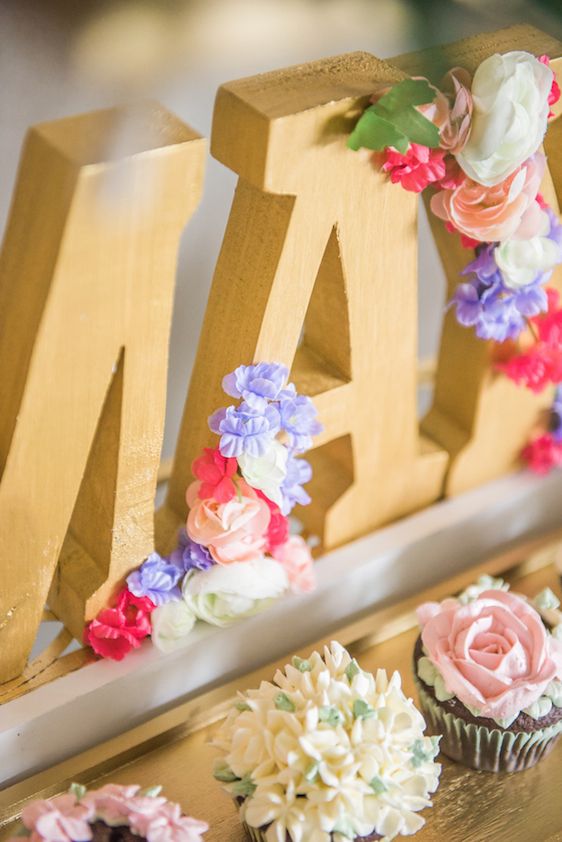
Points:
x=215, y=472
x=416, y=169
x=115, y=631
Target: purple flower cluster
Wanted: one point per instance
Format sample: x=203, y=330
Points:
x=269, y=406
x=190, y=556
x=556, y=416
x=487, y=304
x=299, y=472
x=157, y=579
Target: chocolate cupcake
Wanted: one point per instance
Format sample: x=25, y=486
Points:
x=327, y=752
x=111, y=814
x=488, y=667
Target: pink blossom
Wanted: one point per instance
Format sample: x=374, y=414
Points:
x=115, y=631
x=491, y=214
x=543, y=453
x=119, y=805
x=494, y=654
x=215, y=472
x=295, y=557
x=278, y=529
x=554, y=94
x=416, y=169
x=233, y=531
x=167, y=824
x=60, y=819
x=451, y=110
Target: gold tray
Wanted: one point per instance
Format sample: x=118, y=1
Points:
x=173, y=749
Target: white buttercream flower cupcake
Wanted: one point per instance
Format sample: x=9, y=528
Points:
x=327, y=753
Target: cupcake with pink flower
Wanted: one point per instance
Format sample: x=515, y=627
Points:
x=488, y=666
x=112, y=813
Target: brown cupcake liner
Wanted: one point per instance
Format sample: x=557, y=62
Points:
x=257, y=834
x=488, y=749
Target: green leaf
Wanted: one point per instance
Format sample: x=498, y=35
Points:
x=283, y=702
x=374, y=131
x=362, y=710
x=344, y=827
x=352, y=669
x=416, y=127
x=151, y=791
x=245, y=787
x=78, y=790
x=311, y=772
x=378, y=785
x=224, y=773
x=405, y=93
x=330, y=714
x=242, y=706
x=301, y=664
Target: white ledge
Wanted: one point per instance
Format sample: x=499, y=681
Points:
x=105, y=698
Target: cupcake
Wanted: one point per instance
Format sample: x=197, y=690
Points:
x=327, y=753
x=488, y=666
x=110, y=814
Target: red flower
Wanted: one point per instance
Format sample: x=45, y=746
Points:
x=453, y=174
x=215, y=472
x=534, y=370
x=278, y=529
x=554, y=94
x=543, y=453
x=115, y=631
x=416, y=169
x=466, y=242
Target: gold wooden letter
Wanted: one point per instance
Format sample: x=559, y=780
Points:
x=316, y=237
x=479, y=416
x=86, y=288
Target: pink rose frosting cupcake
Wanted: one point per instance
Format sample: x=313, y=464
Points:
x=488, y=666
x=111, y=814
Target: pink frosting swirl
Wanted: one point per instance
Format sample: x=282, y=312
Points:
x=494, y=653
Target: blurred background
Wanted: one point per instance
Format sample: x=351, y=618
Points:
x=60, y=57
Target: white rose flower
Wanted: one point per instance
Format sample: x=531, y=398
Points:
x=520, y=261
x=171, y=624
x=266, y=472
x=510, y=94
x=226, y=593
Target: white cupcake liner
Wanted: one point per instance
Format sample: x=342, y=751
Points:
x=488, y=749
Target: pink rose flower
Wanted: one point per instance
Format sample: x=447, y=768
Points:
x=233, y=531
x=215, y=472
x=416, y=169
x=295, y=557
x=454, y=120
x=60, y=819
x=168, y=824
x=121, y=805
x=115, y=631
x=491, y=214
x=494, y=653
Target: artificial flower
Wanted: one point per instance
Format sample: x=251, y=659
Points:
x=554, y=93
x=526, y=261
x=488, y=214
x=60, y=819
x=256, y=384
x=278, y=529
x=295, y=557
x=543, y=454
x=224, y=594
x=156, y=579
x=233, y=531
x=266, y=473
x=492, y=314
x=189, y=555
x=535, y=369
x=299, y=472
x=298, y=420
x=115, y=631
x=510, y=94
x=171, y=624
x=418, y=167
x=494, y=654
x=556, y=419
x=215, y=473
x=455, y=125
x=245, y=429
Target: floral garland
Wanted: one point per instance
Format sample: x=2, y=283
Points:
x=477, y=144
x=235, y=554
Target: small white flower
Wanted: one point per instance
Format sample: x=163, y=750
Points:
x=267, y=472
x=171, y=624
x=510, y=94
x=521, y=261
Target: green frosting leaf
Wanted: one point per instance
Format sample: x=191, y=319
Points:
x=344, y=827
x=362, y=710
x=330, y=714
x=424, y=750
x=224, y=773
x=151, y=791
x=283, y=702
x=301, y=664
x=242, y=706
x=378, y=785
x=311, y=772
x=546, y=600
x=245, y=787
x=352, y=670
x=78, y=790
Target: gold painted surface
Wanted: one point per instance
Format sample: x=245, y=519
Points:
x=468, y=807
